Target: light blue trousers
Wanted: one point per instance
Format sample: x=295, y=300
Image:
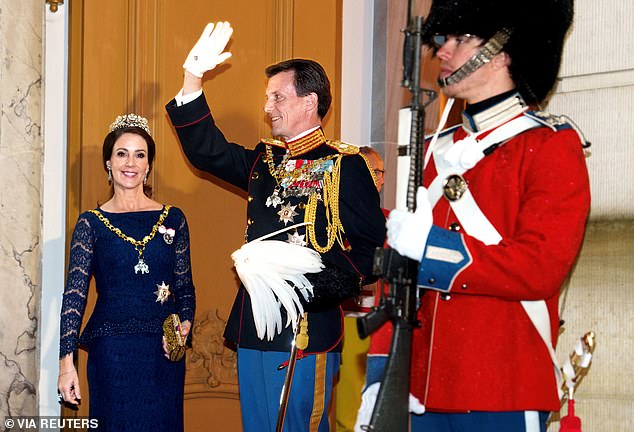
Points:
x=261, y=385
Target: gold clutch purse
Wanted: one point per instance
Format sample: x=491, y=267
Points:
x=175, y=341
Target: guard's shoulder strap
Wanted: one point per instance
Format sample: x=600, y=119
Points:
x=552, y=121
x=558, y=122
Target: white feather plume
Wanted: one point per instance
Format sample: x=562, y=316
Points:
x=270, y=271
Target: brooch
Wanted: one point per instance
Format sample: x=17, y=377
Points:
x=168, y=234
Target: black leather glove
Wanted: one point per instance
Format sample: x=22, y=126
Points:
x=331, y=287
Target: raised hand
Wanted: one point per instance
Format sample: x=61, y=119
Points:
x=209, y=50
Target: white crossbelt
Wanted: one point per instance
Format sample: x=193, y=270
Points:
x=457, y=158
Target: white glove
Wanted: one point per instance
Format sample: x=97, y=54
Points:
x=415, y=407
x=368, y=400
x=208, y=51
x=407, y=232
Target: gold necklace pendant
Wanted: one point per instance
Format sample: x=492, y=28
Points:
x=139, y=245
x=141, y=266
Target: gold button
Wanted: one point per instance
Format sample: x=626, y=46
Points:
x=249, y=221
x=255, y=175
x=302, y=206
x=249, y=198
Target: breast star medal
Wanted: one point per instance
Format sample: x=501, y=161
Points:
x=163, y=292
x=296, y=238
x=287, y=213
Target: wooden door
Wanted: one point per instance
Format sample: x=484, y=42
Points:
x=126, y=56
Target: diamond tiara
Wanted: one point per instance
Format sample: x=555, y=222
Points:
x=130, y=120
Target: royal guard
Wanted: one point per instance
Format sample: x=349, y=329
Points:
x=497, y=227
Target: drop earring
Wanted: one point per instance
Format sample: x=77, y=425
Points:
x=145, y=179
x=109, y=174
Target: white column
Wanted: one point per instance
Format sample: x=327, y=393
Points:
x=356, y=71
x=54, y=203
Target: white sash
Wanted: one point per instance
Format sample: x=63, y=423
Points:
x=459, y=157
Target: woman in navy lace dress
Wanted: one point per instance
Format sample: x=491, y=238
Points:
x=138, y=252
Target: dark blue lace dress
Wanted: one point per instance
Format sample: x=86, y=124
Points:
x=133, y=387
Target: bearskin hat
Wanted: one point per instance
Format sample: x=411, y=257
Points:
x=537, y=27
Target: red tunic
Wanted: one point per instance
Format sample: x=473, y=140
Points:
x=478, y=349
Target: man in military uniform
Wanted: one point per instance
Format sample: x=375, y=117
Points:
x=497, y=226
x=297, y=177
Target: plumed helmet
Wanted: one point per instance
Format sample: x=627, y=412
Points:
x=537, y=31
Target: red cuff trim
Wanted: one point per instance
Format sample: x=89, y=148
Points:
x=194, y=122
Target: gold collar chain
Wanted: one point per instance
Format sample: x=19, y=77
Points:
x=277, y=172
x=139, y=245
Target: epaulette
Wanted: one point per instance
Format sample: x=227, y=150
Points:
x=342, y=147
x=559, y=122
x=273, y=142
x=370, y=168
x=553, y=121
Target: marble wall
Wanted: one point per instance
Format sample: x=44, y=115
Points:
x=20, y=203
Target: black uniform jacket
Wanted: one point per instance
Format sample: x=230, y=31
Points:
x=364, y=224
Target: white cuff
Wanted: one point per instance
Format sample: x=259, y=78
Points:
x=182, y=99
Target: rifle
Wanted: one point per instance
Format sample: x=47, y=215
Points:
x=402, y=300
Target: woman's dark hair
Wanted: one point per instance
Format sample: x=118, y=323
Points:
x=309, y=77
x=111, y=139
